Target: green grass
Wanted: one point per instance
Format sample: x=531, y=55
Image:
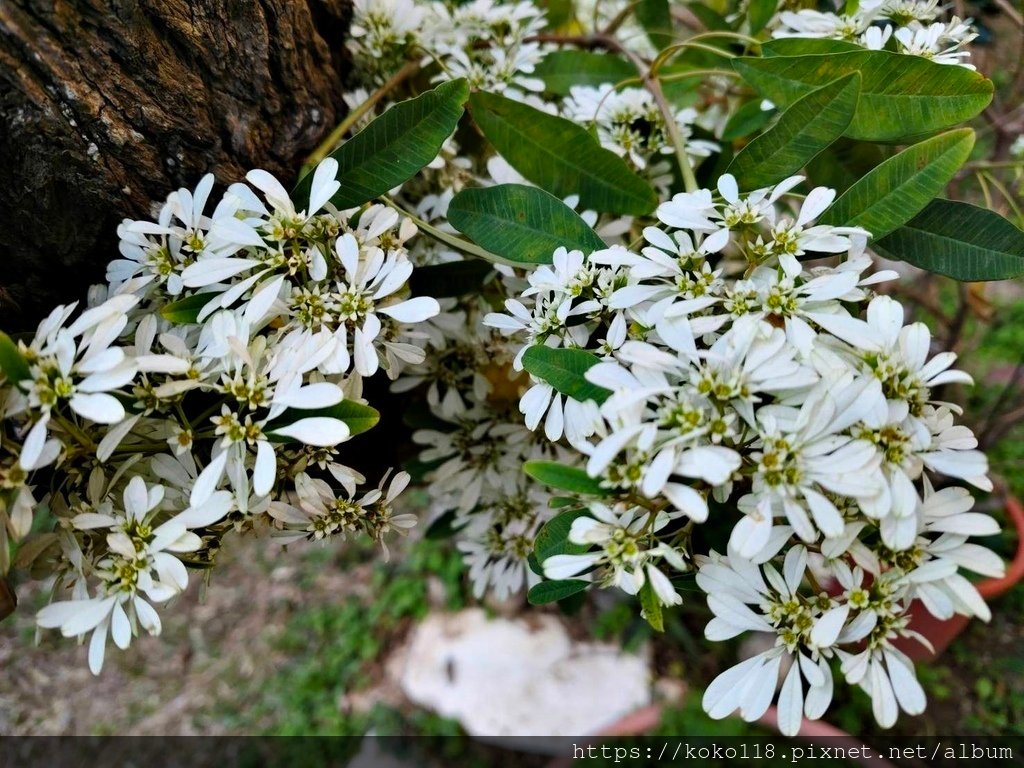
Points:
x=334, y=649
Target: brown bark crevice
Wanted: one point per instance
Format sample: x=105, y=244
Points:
x=108, y=105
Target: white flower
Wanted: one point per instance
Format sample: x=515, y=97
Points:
x=367, y=290
x=887, y=676
x=75, y=366
x=141, y=567
x=623, y=556
x=630, y=123
x=803, y=457
x=743, y=600
x=939, y=42
x=690, y=210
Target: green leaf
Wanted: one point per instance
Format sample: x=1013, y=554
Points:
x=560, y=502
x=553, y=591
x=652, y=608
x=572, y=479
x=12, y=363
x=455, y=278
x=553, y=537
x=656, y=19
x=186, y=311
x=559, y=12
x=394, y=147
x=560, y=156
x=748, y=119
x=844, y=164
x=902, y=97
x=561, y=70
x=802, y=46
x=810, y=125
x=759, y=13
x=520, y=223
x=357, y=416
x=563, y=369
x=960, y=240
x=903, y=185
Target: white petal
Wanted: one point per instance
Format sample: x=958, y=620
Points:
x=265, y=471
x=97, y=647
x=725, y=694
x=208, y=480
x=827, y=628
x=32, y=450
x=120, y=627
x=318, y=395
x=212, y=510
x=324, y=185
x=414, y=310
x=907, y=689
x=100, y=408
x=262, y=300
x=210, y=271
x=320, y=431
x=791, y=703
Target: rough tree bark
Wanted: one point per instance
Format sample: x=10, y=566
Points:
x=108, y=105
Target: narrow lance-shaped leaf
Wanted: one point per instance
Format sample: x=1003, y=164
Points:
x=960, y=240
x=565, y=478
x=904, y=184
x=394, y=147
x=12, y=363
x=652, y=607
x=759, y=13
x=519, y=223
x=747, y=119
x=902, y=97
x=553, y=537
x=186, y=311
x=563, y=369
x=810, y=125
x=560, y=156
x=656, y=19
x=800, y=46
x=552, y=591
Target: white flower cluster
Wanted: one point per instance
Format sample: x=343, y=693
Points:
x=745, y=387
x=630, y=124
x=487, y=42
x=474, y=447
x=763, y=421
x=204, y=390
x=906, y=26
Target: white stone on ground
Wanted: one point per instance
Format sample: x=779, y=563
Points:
x=519, y=677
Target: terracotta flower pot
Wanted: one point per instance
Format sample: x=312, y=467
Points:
x=942, y=632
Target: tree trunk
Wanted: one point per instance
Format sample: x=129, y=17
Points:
x=108, y=105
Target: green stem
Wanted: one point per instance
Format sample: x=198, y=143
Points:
x=654, y=86
x=672, y=50
x=678, y=142
x=72, y=429
x=670, y=78
x=448, y=239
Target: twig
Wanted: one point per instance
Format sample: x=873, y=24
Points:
x=1014, y=15
x=334, y=137
x=448, y=239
